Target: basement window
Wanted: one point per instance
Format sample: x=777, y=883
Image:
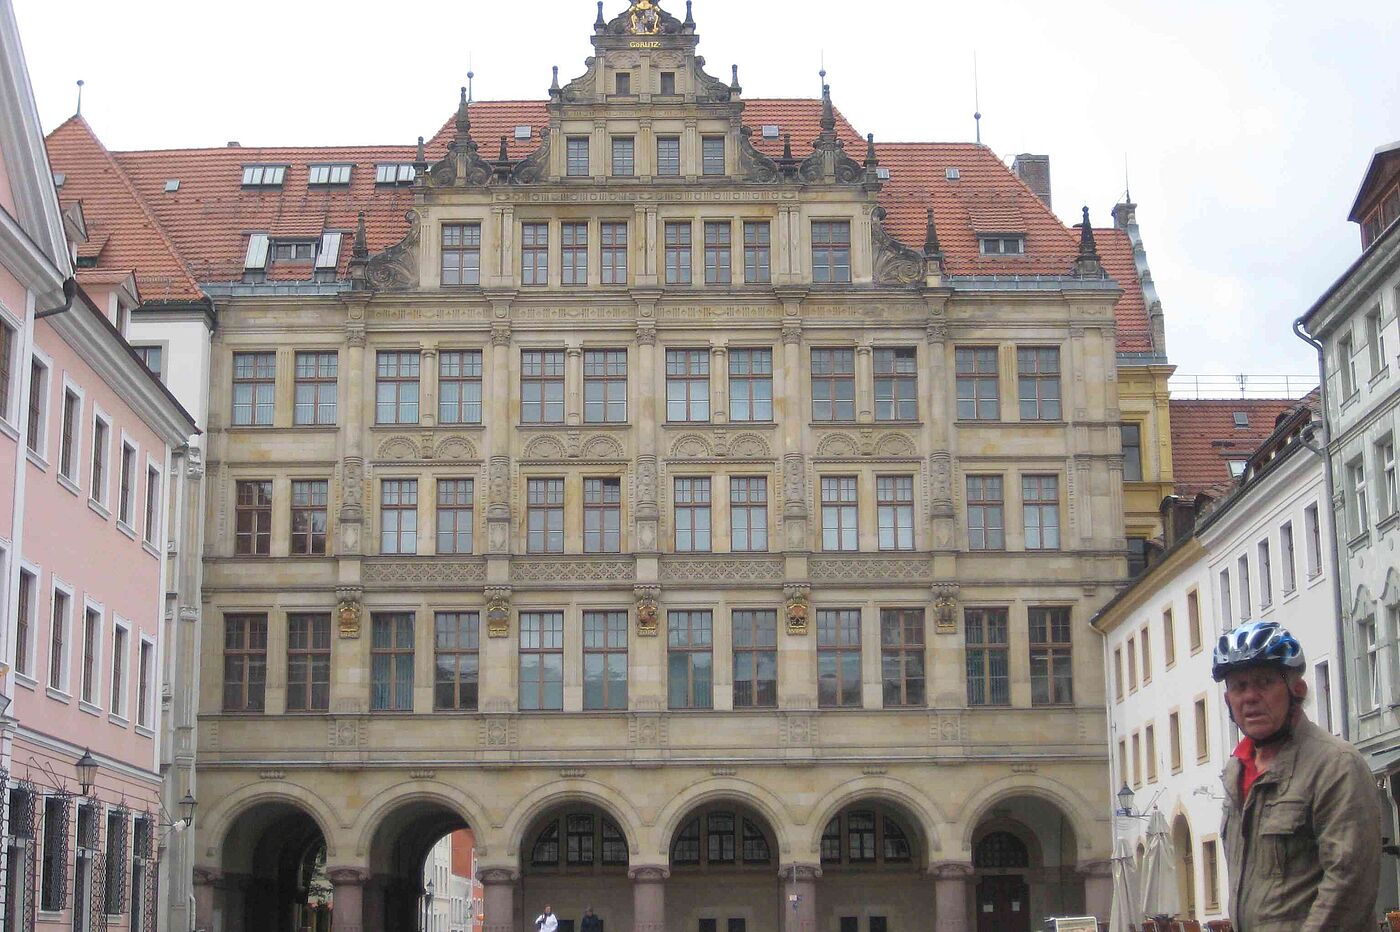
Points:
x=324, y=175
x=1002, y=244
x=264, y=176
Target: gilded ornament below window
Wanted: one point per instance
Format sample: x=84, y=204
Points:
x=348, y=613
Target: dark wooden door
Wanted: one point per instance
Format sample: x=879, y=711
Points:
x=1003, y=904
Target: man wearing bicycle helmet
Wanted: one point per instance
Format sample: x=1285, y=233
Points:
x=1302, y=821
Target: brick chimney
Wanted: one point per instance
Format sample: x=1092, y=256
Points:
x=1034, y=170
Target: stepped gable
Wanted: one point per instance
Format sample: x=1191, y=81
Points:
x=1205, y=439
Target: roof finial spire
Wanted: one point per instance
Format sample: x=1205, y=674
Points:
x=600, y=24
x=931, y=247
x=689, y=19
x=470, y=76
x=828, y=113
x=976, y=99
x=870, y=160
x=80, y=97
x=464, y=120
x=554, y=85
x=1087, y=264
x=734, y=81
x=1127, y=188
x=418, y=157
x=361, y=248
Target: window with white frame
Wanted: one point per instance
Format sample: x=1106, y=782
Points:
x=26, y=606
x=1385, y=468
x=1227, y=609
x=1242, y=571
x=1322, y=681
x=37, y=419
x=121, y=637
x=151, y=530
x=1314, y=540
x=328, y=175
x=263, y=176
x=1346, y=366
x=839, y=504
x=1370, y=692
x=70, y=434
x=1375, y=341
x=1358, y=501
x=1266, y=575
x=126, y=484
x=101, y=434
x=92, y=653
x=60, y=617
x=145, y=683
x=9, y=349
x=1289, y=560
x=152, y=357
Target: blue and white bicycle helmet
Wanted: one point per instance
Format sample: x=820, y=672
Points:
x=1256, y=644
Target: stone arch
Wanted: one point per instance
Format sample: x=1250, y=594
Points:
x=1019, y=830
x=1073, y=806
x=1390, y=595
x=602, y=448
x=544, y=448
x=896, y=445
x=536, y=804
x=692, y=446
x=454, y=448
x=1363, y=605
x=837, y=445
x=1184, y=852
x=924, y=813
x=397, y=448
x=392, y=798
x=751, y=446
x=718, y=789
x=215, y=826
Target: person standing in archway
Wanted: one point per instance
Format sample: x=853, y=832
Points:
x=546, y=921
x=591, y=923
x=1301, y=821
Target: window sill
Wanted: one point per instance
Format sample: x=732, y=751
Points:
x=1314, y=577
x=150, y=548
x=1389, y=521
x=461, y=425
x=1379, y=377
x=1197, y=649
x=233, y=427
x=1176, y=770
x=324, y=428
x=540, y=425
x=55, y=693
x=69, y=484
x=145, y=731
x=1359, y=541
x=1350, y=400
x=38, y=461
x=9, y=430
x=25, y=680
x=118, y=720
x=89, y=708
x=126, y=529
x=100, y=509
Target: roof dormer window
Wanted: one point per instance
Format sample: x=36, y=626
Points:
x=264, y=176
x=327, y=175
x=395, y=173
x=1002, y=244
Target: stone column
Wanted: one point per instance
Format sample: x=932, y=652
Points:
x=206, y=880
x=1098, y=888
x=428, y=379
x=719, y=382
x=791, y=414
x=498, y=492
x=498, y=899
x=865, y=386
x=573, y=384
x=799, y=883
x=951, y=883
x=646, y=508
x=352, y=481
x=649, y=898
x=347, y=886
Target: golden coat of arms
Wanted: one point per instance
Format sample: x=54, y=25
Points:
x=644, y=18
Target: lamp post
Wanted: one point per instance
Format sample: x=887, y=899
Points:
x=428, y=889
x=1125, y=802
x=87, y=772
x=187, y=807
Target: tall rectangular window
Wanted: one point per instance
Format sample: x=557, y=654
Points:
x=1266, y=575
x=576, y=156
x=534, y=254
x=152, y=524
x=605, y=386
x=712, y=155
x=758, y=247
x=624, y=154
x=100, y=432
x=1388, y=498
x=1040, y=497
x=1145, y=639
x=396, y=388
x=245, y=662
x=896, y=384
x=1288, y=557
x=1168, y=638
x=1132, y=451
x=544, y=515
x=1137, y=759
x=38, y=406
x=151, y=358
x=988, y=668
x=456, y=661
x=114, y=888
x=1118, y=692
x=833, y=385
x=902, y=657
x=461, y=254
x=316, y=388
x=687, y=385
x=751, y=385
x=986, y=522
x=1322, y=679
x=252, y=517
x=1149, y=740
x=1132, y=665
x=839, y=513
x=455, y=504
x=542, y=386
x=146, y=658
x=1210, y=872
x=541, y=661
x=718, y=253
x=668, y=156
x=1375, y=341
x=689, y=661
x=254, y=385
x=831, y=252
x=459, y=387
x=1052, y=666
x=92, y=635
x=1193, y=619
x=838, y=658
x=8, y=343
x=755, y=659
x=978, y=383
x=58, y=640
x=53, y=877
x=692, y=514
x=1314, y=540
x=310, y=516
x=1202, y=732
x=605, y=660
x=678, y=253
x=308, y=662
x=614, y=253
x=126, y=485
x=1369, y=691
x=894, y=500
x=398, y=516
x=573, y=253
x=602, y=515
x=1246, y=608
x=391, y=662
x=1227, y=603
x=68, y=438
x=1346, y=366
x=1174, y=737
x=748, y=513
x=1038, y=382
x=26, y=605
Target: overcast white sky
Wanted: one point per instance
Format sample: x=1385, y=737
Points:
x=1247, y=124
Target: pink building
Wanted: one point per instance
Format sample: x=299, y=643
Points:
x=88, y=441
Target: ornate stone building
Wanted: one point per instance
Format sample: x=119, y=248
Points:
x=701, y=502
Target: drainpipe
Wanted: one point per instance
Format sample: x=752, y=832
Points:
x=1344, y=667
x=70, y=291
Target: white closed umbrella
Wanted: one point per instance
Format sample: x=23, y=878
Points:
x=1158, y=878
x=1125, y=888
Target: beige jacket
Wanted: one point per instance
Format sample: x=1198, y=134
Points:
x=1303, y=850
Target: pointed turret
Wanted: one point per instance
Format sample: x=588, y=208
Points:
x=359, y=254
x=870, y=160
x=600, y=24
x=1086, y=264
x=828, y=112
x=689, y=24
x=933, y=255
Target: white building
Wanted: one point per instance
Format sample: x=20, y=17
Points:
x=1354, y=327
x=1258, y=554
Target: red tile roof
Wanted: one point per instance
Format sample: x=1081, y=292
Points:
x=1205, y=439
x=208, y=219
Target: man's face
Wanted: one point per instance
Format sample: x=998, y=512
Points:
x=1260, y=700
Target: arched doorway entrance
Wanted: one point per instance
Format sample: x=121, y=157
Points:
x=395, y=896
x=575, y=858
x=1184, y=851
x=870, y=858
x=724, y=871
x=1024, y=860
x=274, y=873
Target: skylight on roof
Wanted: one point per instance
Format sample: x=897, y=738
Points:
x=1002, y=244
x=1241, y=418
x=770, y=130
x=882, y=173
x=328, y=174
x=58, y=179
x=172, y=185
x=263, y=176
x=522, y=132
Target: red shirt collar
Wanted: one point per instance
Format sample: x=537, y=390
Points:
x=1244, y=752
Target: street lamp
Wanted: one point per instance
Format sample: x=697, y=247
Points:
x=1125, y=801
x=87, y=772
x=428, y=890
x=187, y=807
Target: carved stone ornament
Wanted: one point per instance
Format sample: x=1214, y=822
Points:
x=495, y=876
x=648, y=610
x=798, y=607
x=396, y=268
x=535, y=166
x=945, y=606
x=585, y=86
x=347, y=614
x=497, y=611
x=754, y=165
x=895, y=263
x=644, y=18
